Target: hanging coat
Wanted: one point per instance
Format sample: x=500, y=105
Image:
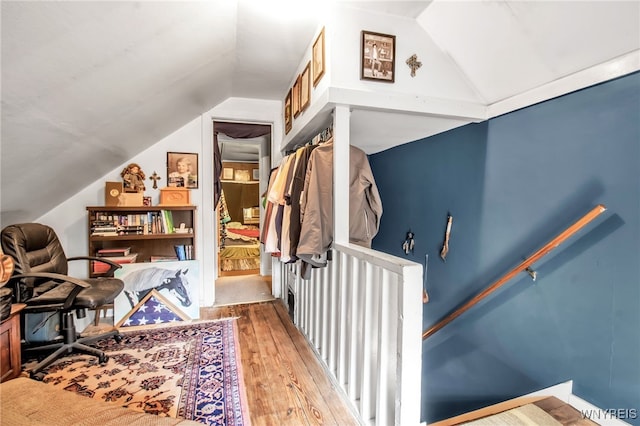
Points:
x=316, y=203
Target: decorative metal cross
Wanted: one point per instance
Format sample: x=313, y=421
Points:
x=155, y=178
x=414, y=64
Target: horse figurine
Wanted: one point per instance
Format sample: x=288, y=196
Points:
x=139, y=283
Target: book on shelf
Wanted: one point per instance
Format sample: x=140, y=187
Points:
x=184, y=251
x=101, y=268
x=163, y=258
x=104, y=229
x=103, y=233
x=130, y=230
x=167, y=221
x=114, y=251
x=180, y=252
x=150, y=222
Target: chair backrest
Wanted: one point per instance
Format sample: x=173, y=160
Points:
x=35, y=248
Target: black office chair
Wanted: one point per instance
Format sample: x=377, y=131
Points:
x=40, y=281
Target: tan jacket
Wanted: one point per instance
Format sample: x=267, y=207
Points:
x=316, y=203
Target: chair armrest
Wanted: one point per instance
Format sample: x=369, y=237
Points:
x=55, y=277
x=79, y=284
x=111, y=263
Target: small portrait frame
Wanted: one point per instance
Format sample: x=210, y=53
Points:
x=295, y=97
x=255, y=174
x=377, y=57
x=288, y=118
x=305, y=87
x=182, y=169
x=318, y=58
x=227, y=173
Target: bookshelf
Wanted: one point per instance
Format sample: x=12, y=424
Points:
x=143, y=229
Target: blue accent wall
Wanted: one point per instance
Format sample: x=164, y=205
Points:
x=512, y=184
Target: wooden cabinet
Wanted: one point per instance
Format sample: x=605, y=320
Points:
x=10, y=360
x=140, y=229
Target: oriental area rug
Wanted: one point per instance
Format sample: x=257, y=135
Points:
x=184, y=371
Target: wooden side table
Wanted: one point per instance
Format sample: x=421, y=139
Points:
x=10, y=359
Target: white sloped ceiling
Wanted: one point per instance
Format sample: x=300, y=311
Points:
x=87, y=85
x=509, y=47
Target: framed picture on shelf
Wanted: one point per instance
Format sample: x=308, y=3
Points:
x=305, y=87
x=182, y=169
x=256, y=174
x=318, y=58
x=377, y=58
x=295, y=97
x=288, y=118
x=241, y=176
x=227, y=173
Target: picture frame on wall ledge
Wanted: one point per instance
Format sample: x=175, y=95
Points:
x=305, y=87
x=241, y=175
x=295, y=97
x=227, y=173
x=377, y=57
x=182, y=169
x=318, y=58
x=288, y=118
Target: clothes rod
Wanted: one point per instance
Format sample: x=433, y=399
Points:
x=559, y=239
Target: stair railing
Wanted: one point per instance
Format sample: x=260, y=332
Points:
x=523, y=266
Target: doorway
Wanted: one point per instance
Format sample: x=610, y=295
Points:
x=245, y=153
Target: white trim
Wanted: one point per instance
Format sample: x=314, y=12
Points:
x=617, y=67
x=562, y=391
x=341, y=152
x=408, y=103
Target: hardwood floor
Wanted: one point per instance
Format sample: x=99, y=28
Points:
x=286, y=384
x=243, y=289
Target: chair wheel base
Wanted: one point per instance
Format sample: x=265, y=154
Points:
x=39, y=376
x=102, y=360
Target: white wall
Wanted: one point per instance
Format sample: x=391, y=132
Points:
x=69, y=219
x=319, y=93
x=235, y=110
x=439, y=87
x=438, y=77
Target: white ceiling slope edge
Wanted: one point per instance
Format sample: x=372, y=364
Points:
x=87, y=85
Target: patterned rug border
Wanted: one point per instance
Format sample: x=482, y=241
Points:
x=202, y=386
x=242, y=389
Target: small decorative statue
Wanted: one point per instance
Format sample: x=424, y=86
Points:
x=133, y=178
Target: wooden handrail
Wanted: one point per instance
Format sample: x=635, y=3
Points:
x=559, y=239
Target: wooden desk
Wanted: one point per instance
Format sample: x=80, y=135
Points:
x=10, y=360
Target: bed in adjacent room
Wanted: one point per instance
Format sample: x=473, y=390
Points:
x=240, y=248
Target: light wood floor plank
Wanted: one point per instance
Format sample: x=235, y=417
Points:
x=283, y=400
x=259, y=392
x=333, y=396
x=299, y=379
x=286, y=384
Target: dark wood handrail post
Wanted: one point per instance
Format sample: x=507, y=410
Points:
x=559, y=239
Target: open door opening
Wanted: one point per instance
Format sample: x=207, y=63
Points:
x=243, y=274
